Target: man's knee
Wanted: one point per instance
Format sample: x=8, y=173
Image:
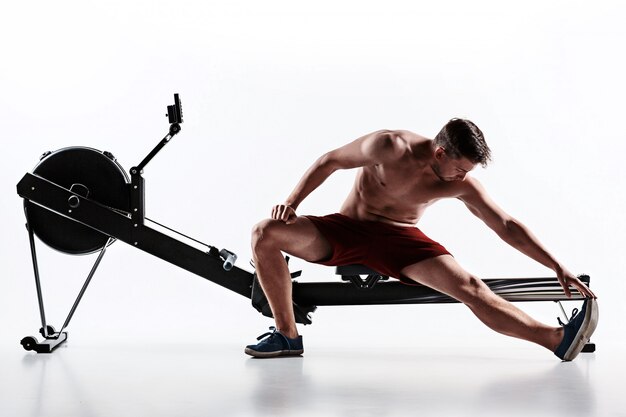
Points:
x=475, y=291
x=264, y=234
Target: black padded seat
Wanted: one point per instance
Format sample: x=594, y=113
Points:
x=355, y=269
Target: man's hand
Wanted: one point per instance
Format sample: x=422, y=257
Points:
x=567, y=279
x=285, y=213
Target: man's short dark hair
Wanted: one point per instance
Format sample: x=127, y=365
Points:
x=462, y=138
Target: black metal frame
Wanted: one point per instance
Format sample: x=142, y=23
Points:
x=217, y=266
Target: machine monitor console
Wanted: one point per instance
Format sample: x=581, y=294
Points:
x=175, y=112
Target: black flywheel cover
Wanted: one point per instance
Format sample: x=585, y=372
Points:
x=83, y=169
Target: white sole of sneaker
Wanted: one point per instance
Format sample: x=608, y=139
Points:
x=276, y=354
x=586, y=330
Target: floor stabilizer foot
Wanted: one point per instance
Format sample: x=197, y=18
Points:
x=589, y=348
x=48, y=345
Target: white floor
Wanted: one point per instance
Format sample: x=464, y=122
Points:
x=196, y=380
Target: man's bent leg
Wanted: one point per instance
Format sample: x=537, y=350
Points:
x=300, y=239
x=445, y=275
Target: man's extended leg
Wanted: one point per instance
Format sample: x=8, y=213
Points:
x=300, y=239
x=444, y=274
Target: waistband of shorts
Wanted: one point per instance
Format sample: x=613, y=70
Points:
x=373, y=223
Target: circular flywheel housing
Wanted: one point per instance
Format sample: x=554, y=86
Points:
x=90, y=174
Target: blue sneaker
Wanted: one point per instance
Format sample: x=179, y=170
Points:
x=578, y=330
x=277, y=344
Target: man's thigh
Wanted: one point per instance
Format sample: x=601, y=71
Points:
x=444, y=274
x=300, y=238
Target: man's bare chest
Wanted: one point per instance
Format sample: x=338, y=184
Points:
x=402, y=185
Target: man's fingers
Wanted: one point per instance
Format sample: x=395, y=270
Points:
x=290, y=216
x=568, y=293
x=283, y=213
x=565, y=283
x=277, y=212
x=581, y=287
x=584, y=290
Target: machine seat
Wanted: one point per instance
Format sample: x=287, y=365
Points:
x=355, y=269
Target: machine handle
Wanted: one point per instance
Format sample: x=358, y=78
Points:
x=229, y=259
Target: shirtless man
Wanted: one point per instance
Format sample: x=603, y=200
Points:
x=401, y=174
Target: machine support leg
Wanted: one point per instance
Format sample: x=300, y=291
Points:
x=52, y=338
x=33, y=254
x=563, y=310
x=87, y=281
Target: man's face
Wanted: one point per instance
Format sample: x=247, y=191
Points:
x=450, y=169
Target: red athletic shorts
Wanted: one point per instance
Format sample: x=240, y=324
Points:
x=383, y=247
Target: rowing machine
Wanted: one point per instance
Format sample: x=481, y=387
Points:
x=79, y=200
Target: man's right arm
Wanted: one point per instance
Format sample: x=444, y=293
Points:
x=374, y=148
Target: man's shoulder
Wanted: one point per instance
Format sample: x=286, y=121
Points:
x=406, y=142
x=468, y=188
x=408, y=136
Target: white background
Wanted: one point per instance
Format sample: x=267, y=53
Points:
x=269, y=86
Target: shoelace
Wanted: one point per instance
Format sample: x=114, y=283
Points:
x=574, y=312
x=273, y=334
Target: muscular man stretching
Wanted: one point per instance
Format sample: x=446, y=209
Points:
x=401, y=174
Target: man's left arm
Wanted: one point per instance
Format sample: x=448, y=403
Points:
x=513, y=232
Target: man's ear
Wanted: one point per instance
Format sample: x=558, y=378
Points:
x=439, y=152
